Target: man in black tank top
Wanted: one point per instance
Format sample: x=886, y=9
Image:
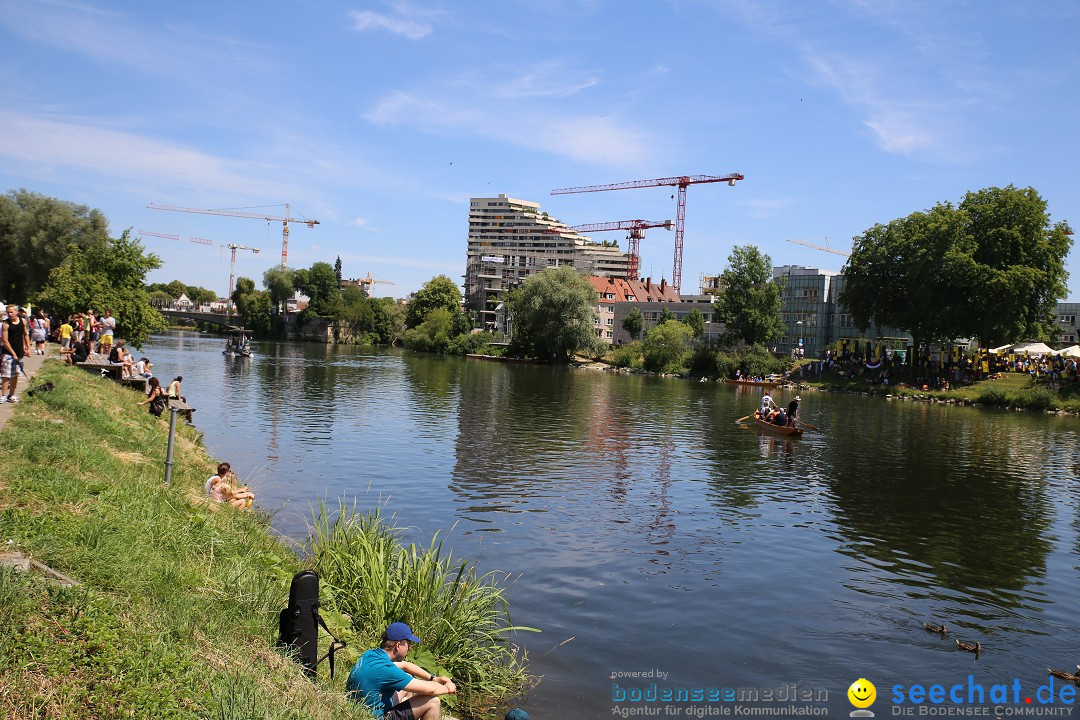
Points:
x=14, y=346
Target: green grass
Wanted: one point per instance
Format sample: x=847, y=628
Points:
x=462, y=617
x=176, y=615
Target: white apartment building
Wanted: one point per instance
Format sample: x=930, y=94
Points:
x=510, y=240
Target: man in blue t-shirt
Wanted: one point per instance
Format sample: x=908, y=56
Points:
x=382, y=671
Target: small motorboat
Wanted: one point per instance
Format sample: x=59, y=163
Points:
x=238, y=344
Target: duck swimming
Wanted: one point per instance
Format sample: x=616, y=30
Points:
x=976, y=648
x=1064, y=675
x=939, y=629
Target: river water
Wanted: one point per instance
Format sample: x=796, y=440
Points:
x=664, y=539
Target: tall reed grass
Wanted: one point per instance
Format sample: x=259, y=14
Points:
x=462, y=617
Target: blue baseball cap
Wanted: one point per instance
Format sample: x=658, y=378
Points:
x=400, y=631
x=517, y=714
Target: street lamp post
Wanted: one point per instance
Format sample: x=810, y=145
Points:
x=798, y=324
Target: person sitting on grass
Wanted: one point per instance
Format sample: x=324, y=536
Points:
x=155, y=396
x=230, y=491
x=210, y=486
x=381, y=672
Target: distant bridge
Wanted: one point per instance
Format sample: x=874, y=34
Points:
x=215, y=318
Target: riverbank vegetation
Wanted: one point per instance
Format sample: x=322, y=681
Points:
x=176, y=611
x=461, y=616
x=1011, y=390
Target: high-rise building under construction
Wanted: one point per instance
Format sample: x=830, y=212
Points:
x=510, y=240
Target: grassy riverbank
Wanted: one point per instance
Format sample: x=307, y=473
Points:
x=176, y=613
x=1014, y=390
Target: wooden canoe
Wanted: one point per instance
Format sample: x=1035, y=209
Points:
x=776, y=429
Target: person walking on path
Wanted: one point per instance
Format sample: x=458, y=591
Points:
x=30, y=366
x=39, y=331
x=14, y=345
x=381, y=672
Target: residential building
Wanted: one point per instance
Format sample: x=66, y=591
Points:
x=511, y=240
x=617, y=296
x=1067, y=314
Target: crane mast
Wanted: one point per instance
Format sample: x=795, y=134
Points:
x=681, y=182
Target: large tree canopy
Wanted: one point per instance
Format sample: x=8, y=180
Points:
x=553, y=315
x=749, y=307
x=280, y=283
x=438, y=292
x=36, y=234
x=319, y=283
x=992, y=267
x=107, y=275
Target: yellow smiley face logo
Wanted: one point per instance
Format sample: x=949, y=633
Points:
x=862, y=693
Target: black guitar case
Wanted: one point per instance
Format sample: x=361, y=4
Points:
x=298, y=624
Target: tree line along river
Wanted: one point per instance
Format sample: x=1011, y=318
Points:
x=661, y=536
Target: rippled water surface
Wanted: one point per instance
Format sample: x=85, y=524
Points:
x=657, y=534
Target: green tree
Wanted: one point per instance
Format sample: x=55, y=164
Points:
x=438, y=292
x=160, y=299
x=992, y=267
x=280, y=283
x=665, y=316
x=553, y=315
x=320, y=285
x=1019, y=261
x=337, y=269
x=666, y=345
x=749, y=307
x=253, y=306
x=36, y=234
x=389, y=320
x=696, y=322
x=177, y=288
x=634, y=323
x=432, y=335
x=107, y=275
x=200, y=295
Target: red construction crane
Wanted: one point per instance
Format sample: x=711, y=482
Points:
x=257, y=216
x=682, y=183
x=635, y=236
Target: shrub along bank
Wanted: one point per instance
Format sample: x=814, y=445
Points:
x=176, y=613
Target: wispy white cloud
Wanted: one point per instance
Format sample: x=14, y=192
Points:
x=360, y=222
x=57, y=146
x=111, y=37
x=406, y=19
x=913, y=85
x=543, y=80
x=520, y=112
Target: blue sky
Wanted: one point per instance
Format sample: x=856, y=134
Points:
x=381, y=118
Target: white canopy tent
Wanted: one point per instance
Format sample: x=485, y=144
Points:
x=1032, y=349
x=1073, y=352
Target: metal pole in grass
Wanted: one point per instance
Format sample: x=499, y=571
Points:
x=169, y=453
